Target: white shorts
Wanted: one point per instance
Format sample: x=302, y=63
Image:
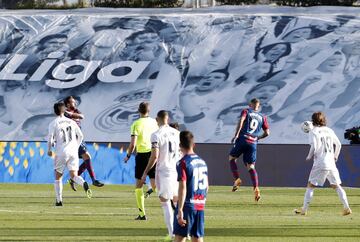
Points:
x=319, y=176
x=167, y=185
x=66, y=161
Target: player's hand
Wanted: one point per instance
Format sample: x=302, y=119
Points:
x=180, y=219
x=143, y=179
x=308, y=159
x=126, y=159
x=233, y=139
x=50, y=153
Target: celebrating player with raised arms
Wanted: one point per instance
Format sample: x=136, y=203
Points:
x=193, y=187
x=325, y=149
x=66, y=135
x=165, y=153
x=252, y=126
x=73, y=113
x=141, y=131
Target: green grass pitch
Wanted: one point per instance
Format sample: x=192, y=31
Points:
x=27, y=212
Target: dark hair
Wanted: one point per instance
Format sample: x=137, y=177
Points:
x=57, y=107
x=319, y=119
x=255, y=101
x=50, y=37
x=162, y=114
x=175, y=125
x=67, y=100
x=144, y=108
x=186, y=139
x=267, y=48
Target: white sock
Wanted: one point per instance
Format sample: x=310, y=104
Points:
x=58, y=190
x=78, y=180
x=307, y=198
x=342, y=195
x=168, y=216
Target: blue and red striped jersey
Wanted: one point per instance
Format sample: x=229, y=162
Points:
x=69, y=114
x=193, y=170
x=253, y=125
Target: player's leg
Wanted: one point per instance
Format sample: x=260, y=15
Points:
x=81, y=169
x=179, y=238
x=197, y=228
x=151, y=175
x=317, y=178
x=140, y=166
x=235, y=152
x=59, y=167
x=72, y=165
x=87, y=160
x=250, y=160
x=182, y=232
x=194, y=239
x=175, y=190
x=168, y=214
x=168, y=187
x=335, y=183
x=58, y=188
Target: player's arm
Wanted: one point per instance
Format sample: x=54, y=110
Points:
x=73, y=115
x=181, y=170
x=134, y=133
x=153, y=158
x=311, y=153
x=79, y=133
x=337, y=146
x=181, y=201
x=131, y=148
x=312, y=147
x=50, y=138
x=265, y=128
x=239, y=125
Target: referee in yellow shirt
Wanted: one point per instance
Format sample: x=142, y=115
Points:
x=141, y=131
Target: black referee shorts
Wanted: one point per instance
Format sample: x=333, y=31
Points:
x=141, y=161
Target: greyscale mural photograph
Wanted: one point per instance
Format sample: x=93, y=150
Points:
x=209, y=65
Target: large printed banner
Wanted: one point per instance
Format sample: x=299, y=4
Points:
x=202, y=68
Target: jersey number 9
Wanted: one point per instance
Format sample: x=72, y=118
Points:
x=254, y=123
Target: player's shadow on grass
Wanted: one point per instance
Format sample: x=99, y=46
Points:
x=279, y=231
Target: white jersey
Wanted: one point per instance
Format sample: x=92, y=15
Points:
x=66, y=135
x=167, y=140
x=322, y=141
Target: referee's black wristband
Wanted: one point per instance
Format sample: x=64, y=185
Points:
x=128, y=155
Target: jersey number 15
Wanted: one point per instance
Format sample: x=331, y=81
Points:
x=200, y=178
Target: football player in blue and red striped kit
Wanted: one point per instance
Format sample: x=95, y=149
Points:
x=252, y=127
x=193, y=187
x=73, y=113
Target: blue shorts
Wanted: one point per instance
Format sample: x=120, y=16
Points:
x=82, y=149
x=195, y=223
x=248, y=150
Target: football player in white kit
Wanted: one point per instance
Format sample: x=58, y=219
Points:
x=322, y=140
x=165, y=153
x=66, y=136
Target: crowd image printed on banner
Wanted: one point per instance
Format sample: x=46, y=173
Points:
x=203, y=69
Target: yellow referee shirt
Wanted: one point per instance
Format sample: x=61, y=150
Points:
x=143, y=128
